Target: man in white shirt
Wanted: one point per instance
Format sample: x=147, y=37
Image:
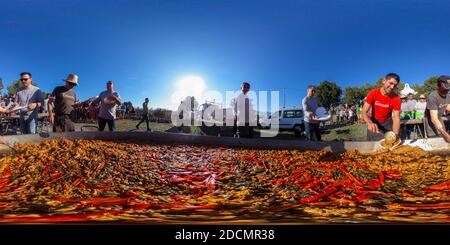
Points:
x=244, y=115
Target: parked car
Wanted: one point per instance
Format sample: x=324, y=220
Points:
x=288, y=119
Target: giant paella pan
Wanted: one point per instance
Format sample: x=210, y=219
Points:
x=165, y=178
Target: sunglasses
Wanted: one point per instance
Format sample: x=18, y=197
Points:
x=24, y=79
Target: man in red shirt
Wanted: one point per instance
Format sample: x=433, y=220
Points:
x=384, y=106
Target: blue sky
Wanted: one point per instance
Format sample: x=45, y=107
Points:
x=146, y=47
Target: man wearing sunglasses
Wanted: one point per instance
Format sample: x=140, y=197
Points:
x=60, y=105
x=30, y=99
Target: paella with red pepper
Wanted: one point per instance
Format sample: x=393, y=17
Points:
x=101, y=181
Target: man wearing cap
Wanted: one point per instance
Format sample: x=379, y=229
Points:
x=108, y=100
x=384, y=105
x=437, y=106
x=61, y=104
x=30, y=99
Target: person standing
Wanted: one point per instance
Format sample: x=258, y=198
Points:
x=31, y=99
x=420, y=107
x=144, y=115
x=61, y=105
x=310, y=104
x=108, y=99
x=384, y=105
x=244, y=115
x=438, y=103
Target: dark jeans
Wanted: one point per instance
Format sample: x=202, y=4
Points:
x=144, y=118
x=102, y=123
x=63, y=124
x=383, y=127
x=245, y=131
x=312, y=131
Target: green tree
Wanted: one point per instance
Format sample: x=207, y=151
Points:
x=418, y=88
x=352, y=95
x=329, y=94
x=429, y=85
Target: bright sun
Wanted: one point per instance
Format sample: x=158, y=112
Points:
x=188, y=86
x=191, y=84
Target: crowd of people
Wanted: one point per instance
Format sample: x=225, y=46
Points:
x=60, y=105
x=381, y=110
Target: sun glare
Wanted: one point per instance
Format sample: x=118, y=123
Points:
x=187, y=86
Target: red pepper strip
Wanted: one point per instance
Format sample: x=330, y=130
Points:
x=56, y=179
x=178, y=197
x=46, y=169
x=349, y=175
x=407, y=194
x=445, y=185
x=77, y=181
x=417, y=206
x=215, y=161
x=393, y=174
x=364, y=197
x=3, y=182
x=328, y=191
x=280, y=181
x=131, y=194
x=381, y=177
x=374, y=184
x=6, y=172
x=5, y=205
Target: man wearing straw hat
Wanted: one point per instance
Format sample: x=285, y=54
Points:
x=60, y=105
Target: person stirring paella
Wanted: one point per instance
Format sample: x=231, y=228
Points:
x=384, y=106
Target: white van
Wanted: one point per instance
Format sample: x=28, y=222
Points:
x=289, y=119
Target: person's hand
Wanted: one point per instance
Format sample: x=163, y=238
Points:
x=313, y=116
x=32, y=106
x=373, y=127
x=444, y=134
x=51, y=119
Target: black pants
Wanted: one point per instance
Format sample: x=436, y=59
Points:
x=102, y=124
x=312, y=131
x=383, y=127
x=63, y=123
x=245, y=131
x=144, y=118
